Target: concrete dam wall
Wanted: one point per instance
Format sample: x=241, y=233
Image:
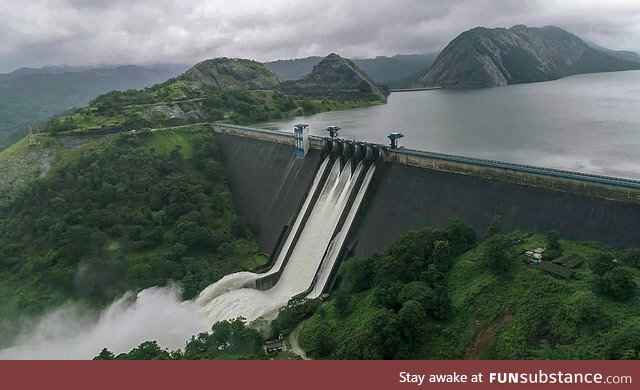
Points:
x=268, y=183
x=411, y=192
x=406, y=197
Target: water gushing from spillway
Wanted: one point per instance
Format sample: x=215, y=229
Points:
x=324, y=271
x=306, y=254
x=300, y=218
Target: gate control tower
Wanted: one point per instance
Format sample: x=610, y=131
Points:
x=301, y=136
x=394, y=137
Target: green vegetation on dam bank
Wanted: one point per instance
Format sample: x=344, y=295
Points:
x=422, y=299
x=115, y=214
x=437, y=294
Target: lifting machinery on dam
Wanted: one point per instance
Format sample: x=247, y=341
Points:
x=394, y=137
x=333, y=131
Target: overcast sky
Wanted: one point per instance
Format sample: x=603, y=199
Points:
x=77, y=32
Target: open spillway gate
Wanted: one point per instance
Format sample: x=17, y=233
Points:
x=310, y=248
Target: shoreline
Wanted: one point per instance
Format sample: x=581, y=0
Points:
x=415, y=89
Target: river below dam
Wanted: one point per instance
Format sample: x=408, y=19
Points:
x=587, y=123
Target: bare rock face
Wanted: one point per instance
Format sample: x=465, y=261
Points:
x=483, y=57
x=230, y=73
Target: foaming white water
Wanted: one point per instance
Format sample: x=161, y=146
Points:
x=298, y=222
x=336, y=244
x=247, y=302
x=154, y=314
x=226, y=284
x=320, y=227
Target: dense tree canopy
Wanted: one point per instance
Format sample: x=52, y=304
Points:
x=147, y=210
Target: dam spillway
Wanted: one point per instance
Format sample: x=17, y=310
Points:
x=310, y=251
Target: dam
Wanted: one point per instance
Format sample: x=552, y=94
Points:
x=308, y=250
x=350, y=197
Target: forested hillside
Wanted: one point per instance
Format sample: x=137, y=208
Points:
x=31, y=96
x=428, y=297
x=223, y=89
x=132, y=212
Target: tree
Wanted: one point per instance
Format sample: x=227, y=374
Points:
x=441, y=255
x=553, y=249
x=618, y=283
x=341, y=302
x=417, y=291
x=495, y=227
x=497, y=254
x=412, y=320
x=292, y=314
x=460, y=235
x=625, y=344
x=553, y=240
x=105, y=354
x=228, y=339
x=149, y=350
x=357, y=274
x=441, y=306
x=319, y=342
x=602, y=263
x=385, y=326
x=387, y=295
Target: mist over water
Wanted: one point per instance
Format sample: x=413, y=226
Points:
x=157, y=313
x=71, y=333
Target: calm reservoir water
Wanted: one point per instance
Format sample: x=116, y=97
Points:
x=588, y=123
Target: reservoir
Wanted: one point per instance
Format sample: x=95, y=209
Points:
x=587, y=123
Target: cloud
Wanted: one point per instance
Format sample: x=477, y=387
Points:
x=75, y=32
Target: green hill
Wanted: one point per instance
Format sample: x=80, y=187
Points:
x=30, y=96
x=335, y=77
x=398, y=71
x=234, y=90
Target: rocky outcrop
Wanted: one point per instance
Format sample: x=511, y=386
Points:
x=335, y=77
x=483, y=57
x=230, y=73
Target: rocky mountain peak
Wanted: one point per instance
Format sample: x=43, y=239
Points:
x=483, y=57
x=335, y=76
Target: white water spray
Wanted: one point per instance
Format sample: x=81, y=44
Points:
x=69, y=333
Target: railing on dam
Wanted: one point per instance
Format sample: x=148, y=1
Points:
x=402, y=156
x=523, y=168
